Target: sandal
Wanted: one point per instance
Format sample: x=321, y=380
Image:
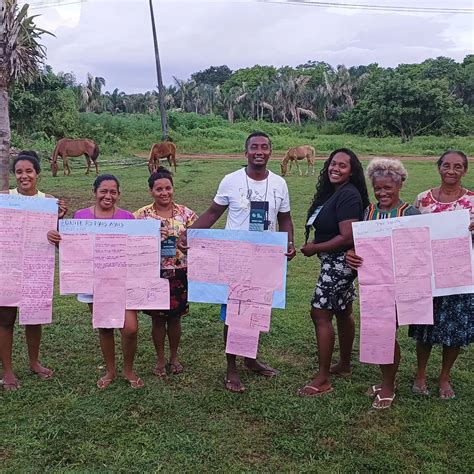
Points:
x=9, y=386
x=136, y=383
x=44, y=374
x=373, y=390
x=175, y=369
x=376, y=403
x=446, y=393
x=314, y=391
x=420, y=390
x=233, y=386
x=104, y=382
x=263, y=370
x=160, y=371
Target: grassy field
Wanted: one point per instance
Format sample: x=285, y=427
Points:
x=188, y=422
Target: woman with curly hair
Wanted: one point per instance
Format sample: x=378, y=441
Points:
x=340, y=199
x=387, y=177
x=453, y=315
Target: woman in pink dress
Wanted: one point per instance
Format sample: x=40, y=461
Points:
x=106, y=190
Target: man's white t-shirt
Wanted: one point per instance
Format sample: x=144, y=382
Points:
x=237, y=190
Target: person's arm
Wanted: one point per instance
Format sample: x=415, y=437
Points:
x=285, y=224
x=62, y=206
x=343, y=240
x=205, y=221
x=353, y=260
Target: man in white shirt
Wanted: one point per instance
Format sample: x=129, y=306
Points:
x=257, y=200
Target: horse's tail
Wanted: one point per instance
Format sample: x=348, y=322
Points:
x=313, y=151
x=95, y=153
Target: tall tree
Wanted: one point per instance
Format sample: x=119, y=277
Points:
x=21, y=55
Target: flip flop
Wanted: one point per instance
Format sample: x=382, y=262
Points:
x=9, y=386
x=447, y=393
x=264, y=371
x=103, y=382
x=376, y=402
x=175, y=369
x=43, y=374
x=137, y=383
x=420, y=390
x=315, y=391
x=234, y=387
x=340, y=374
x=373, y=390
x=160, y=371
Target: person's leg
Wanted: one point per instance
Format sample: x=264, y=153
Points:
x=232, y=380
x=385, y=392
x=450, y=354
x=346, y=334
x=33, y=341
x=321, y=382
x=7, y=324
x=107, y=345
x=423, y=352
x=158, y=334
x=174, y=337
x=129, y=348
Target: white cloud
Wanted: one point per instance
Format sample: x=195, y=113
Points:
x=113, y=39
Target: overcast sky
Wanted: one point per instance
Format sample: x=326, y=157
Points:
x=112, y=38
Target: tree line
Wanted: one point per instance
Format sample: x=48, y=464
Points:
x=433, y=97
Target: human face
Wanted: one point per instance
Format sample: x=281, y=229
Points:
x=258, y=152
x=107, y=195
x=339, y=169
x=452, y=169
x=26, y=177
x=387, y=192
x=162, y=192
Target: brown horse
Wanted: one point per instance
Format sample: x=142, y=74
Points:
x=162, y=150
x=71, y=147
x=294, y=155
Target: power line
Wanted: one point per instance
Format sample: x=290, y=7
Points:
x=372, y=7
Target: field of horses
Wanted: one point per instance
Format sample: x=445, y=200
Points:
x=189, y=422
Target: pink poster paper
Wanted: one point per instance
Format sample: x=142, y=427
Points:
x=76, y=263
x=110, y=298
x=235, y=261
x=242, y=341
x=143, y=257
x=452, y=262
x=268, y=266
x=377, y=267
x=255, y=294
x=412, y=252
x=148, y=293
x=419, y=311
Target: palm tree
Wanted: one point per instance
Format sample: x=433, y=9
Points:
x=21, y=56
x=91, y=97
x=115, y=101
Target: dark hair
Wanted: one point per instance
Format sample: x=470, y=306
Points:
x=257, y=134
x=456, y=152
x=28, y=155
x=160, y=173
x=324, y=188
x=104, y=177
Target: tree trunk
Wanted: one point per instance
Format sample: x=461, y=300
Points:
x=4, y=139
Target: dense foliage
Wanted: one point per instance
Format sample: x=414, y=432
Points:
x=431, y=98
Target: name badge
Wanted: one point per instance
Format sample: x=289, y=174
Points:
x=168, y=247
x=313, y=216
x=258, y=220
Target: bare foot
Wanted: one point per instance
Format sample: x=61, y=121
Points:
x=260, y=368
x=105, y=381
x=341, y=370
x=42, y=372
x=159, y=371
x=317, y=386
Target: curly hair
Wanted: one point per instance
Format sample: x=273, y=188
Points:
x=325, y=189
x=387, y=167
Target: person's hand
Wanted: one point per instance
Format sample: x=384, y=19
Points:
x=182, y=243
x=291, y=253
x=164, y=231
x=62, y=208
x=309, y=249
x=353, y=260
x=471, y=227
x=54, y=237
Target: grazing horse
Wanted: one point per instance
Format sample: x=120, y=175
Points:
x=71, y=147
x=303, y=152
x=162, y=150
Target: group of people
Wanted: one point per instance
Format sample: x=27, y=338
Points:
x=258, y=200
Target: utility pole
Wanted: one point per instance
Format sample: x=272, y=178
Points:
x=161, y=89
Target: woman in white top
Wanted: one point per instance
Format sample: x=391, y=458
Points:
x=27, y=169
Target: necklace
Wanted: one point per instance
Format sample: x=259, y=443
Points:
x=249, y=191
x=111, y=217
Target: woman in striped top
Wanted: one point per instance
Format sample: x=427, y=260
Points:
x=387, y=176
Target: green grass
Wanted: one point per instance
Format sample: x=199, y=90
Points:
x=188, y=422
